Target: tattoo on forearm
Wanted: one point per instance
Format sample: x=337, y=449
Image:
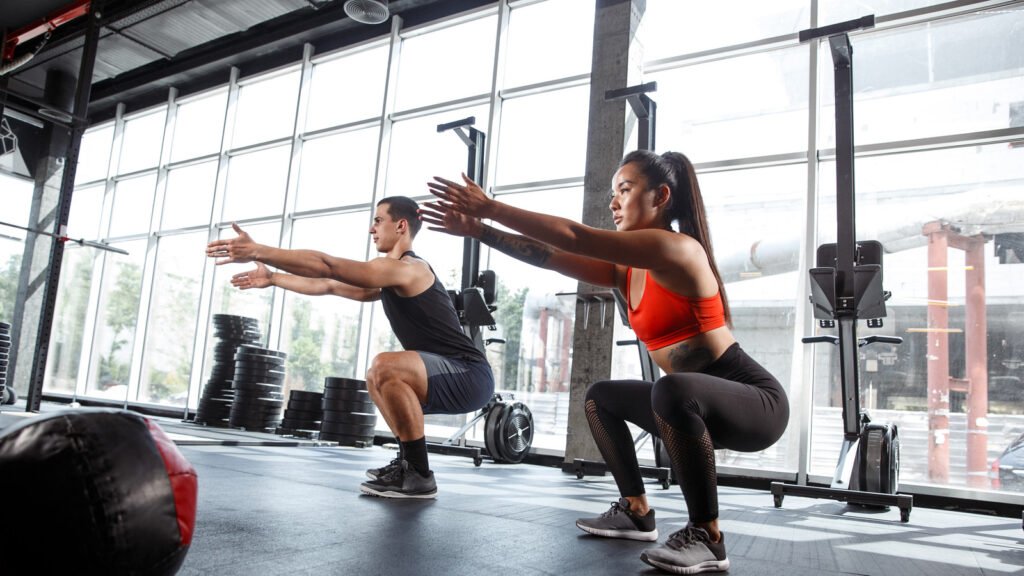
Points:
x=684, y=358
x=519, y=247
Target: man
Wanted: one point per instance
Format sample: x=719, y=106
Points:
x=440, y=371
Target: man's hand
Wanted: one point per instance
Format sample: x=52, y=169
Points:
x=234, y=250
x=469, y=198
x=442, y=219
x=260, y=277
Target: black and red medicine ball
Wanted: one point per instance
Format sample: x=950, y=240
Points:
x=94, y=491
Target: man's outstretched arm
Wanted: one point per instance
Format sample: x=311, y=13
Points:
x=261, y=277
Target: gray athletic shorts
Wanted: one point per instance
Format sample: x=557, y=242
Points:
x=456, y=386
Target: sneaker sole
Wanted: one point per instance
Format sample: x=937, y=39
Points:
x=626, y=534
x=709, y=566
x=392, y=494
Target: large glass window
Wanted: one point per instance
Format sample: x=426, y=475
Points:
x=94, y=154
x=198, y=126
x=321, y=333
x=266, y=109
x=832, y=11
x=950, y=222
x=133, y=206
x=17, y=197
x=334, y=99
x=86, y=209
x=116, y=325
x=755, y=217
x=189, y=196
x=230, y=300
x=142, y=141
x=536, y=313
x=443, y=54
x=536, y=31
x=69, y=319
x=671, y=28
x=338, y=170
x=256, y=184
x=948, y=77
x=419, y=152
x=170, y=332
x=706, y=111
x=543, y=136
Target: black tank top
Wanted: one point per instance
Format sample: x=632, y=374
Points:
x=428, y=322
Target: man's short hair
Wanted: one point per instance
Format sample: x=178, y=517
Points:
x=402, y=207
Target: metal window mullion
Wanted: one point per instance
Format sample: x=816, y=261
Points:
x=149, y=263
x=497, y=83
x=802, y=362
x=291, y=189
x=202, y=333
x=366, y=315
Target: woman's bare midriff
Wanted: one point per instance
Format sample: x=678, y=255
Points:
x=694, y=354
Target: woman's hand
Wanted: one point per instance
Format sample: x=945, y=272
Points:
x=469, y=198
x=443, y=219
x=260, y=277
x=239, y=249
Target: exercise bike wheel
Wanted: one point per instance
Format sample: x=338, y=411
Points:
x=491, y=421
x=516, y=437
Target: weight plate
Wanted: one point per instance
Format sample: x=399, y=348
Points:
x=333, y=383
x=331, y=395
x=305, y=395
x=349, y=429
x=346, y=439
x=345, y=406
x=306, y=405
x=357, y=418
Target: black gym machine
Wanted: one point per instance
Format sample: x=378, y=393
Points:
x=846, y=286
x=508, y=424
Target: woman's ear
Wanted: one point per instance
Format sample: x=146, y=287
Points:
x=662, y=196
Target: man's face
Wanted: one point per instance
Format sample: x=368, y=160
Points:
x=384, y=229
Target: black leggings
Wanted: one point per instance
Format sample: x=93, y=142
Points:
x=734, y=403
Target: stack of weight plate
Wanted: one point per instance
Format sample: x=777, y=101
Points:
x=232, y=332
x=7, y=395
x=349, y=418
x=303, y=414
x=259, y=374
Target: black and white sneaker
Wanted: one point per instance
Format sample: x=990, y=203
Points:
x=402, y=482
x=620, y=522
x=689, y=551
x=374, y=473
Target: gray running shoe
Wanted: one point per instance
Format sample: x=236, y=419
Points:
x=402, y=482
x=374, y=473
x=620, y=522
x=688, y=551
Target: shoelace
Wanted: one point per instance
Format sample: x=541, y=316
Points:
x=396, y=472
x=686, y=537
x=616, y=509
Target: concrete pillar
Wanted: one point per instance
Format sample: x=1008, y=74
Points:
x=615, y=64
x=43, y=215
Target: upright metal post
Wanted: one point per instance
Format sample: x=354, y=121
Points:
x=475, y=143
x=83, y=90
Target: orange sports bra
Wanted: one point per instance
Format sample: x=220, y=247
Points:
x=662, y=318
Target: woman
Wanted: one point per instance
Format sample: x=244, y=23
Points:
x=713, y=394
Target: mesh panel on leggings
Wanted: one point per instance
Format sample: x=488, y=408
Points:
x=693, y=461
x=626, y=475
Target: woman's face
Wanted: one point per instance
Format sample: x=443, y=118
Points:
x=634, y=204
